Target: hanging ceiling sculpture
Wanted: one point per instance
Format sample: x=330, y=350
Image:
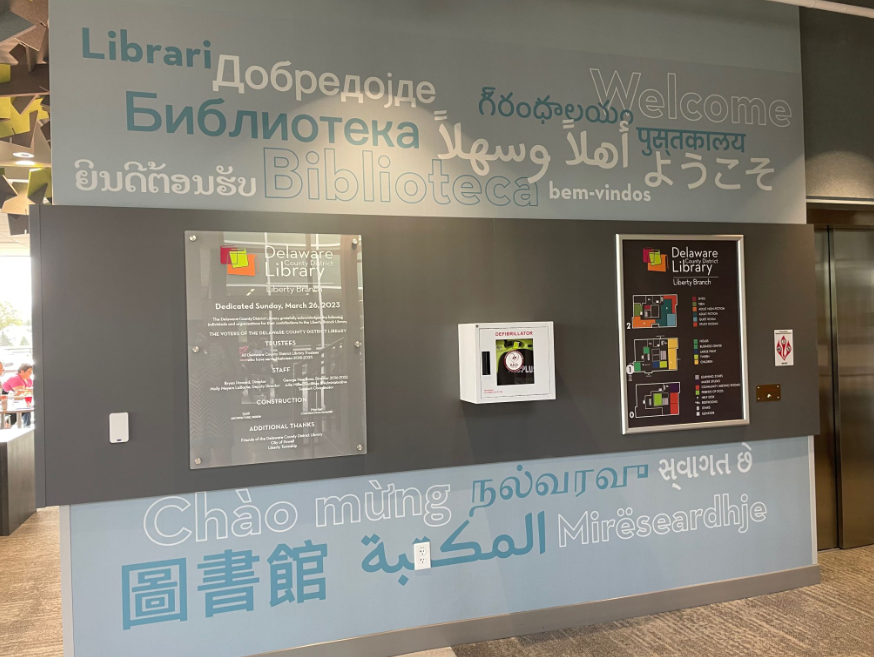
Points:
x=25, y=132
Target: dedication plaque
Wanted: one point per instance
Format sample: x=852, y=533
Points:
x=682, y=331
x=275, y=347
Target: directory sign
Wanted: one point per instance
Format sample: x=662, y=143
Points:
x=275, y=347
x=682, y=331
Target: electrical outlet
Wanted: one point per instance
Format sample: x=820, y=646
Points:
x=422, y=555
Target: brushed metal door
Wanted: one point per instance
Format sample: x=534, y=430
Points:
x=852, y=272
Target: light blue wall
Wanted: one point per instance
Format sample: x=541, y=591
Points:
x=557, y=570
x=718, y=58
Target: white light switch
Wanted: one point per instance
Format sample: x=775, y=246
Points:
x=118, y=428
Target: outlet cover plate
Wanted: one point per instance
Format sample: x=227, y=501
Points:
x=422, y=555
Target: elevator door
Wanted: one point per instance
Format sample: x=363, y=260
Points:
x=852, y=255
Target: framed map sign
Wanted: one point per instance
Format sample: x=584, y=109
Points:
x=275, y=347
x=682, y=331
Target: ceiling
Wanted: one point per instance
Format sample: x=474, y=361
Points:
x=25, y=134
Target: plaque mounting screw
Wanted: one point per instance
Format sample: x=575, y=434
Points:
x=360, y=448
x=192, y=238
x=195, y=349
x=354, y=242
x=197, y=461
x=358, y=343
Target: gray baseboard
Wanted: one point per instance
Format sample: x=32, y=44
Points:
x=544, y=620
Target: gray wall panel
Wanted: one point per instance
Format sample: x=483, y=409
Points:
x=839, y=146
x=113, y=304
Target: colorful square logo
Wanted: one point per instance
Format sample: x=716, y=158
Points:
x=237, y=260
x=655, y=260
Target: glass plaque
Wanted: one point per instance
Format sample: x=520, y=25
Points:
x=275, y=347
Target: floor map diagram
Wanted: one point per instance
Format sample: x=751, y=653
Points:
x=689, y=369
x=655, y=355
x=654, y=311
x=655, y=399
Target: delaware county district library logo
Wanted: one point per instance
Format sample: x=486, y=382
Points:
x=238, y=262
x=655, y=260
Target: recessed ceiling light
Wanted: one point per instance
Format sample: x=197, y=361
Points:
x=25, y=163
x=23, y=154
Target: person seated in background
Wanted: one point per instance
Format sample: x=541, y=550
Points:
x=21, y=385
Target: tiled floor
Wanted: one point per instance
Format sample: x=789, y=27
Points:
x=835, y=619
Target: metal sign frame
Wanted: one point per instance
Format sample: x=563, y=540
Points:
x=738, y=239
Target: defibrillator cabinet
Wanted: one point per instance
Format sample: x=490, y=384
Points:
x=506, y=362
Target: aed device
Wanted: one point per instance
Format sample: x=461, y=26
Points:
x=506, y=362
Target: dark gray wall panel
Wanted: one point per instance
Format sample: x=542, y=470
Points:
x=838, y=99
x=113, y=321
